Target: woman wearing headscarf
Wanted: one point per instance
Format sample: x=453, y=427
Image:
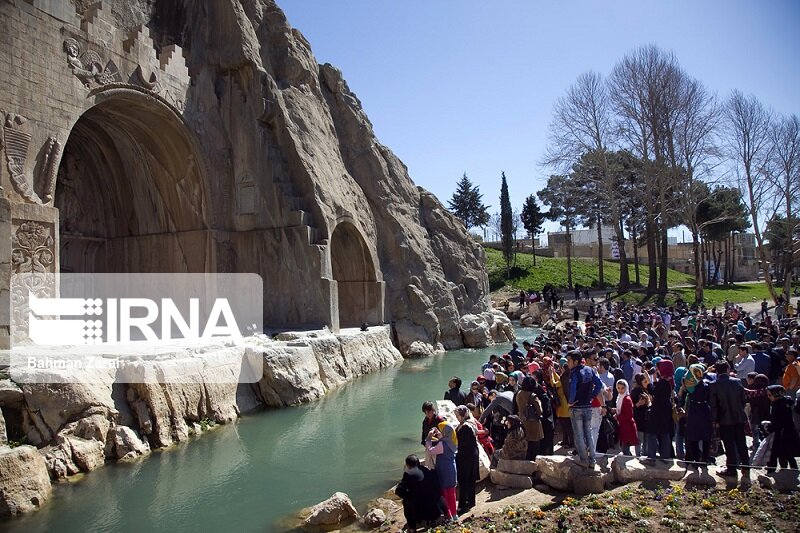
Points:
x=627, y=425
x=680, y=425
x=660, y=425
x=641, y=395
x=543, y=392
x=516, y=444
x=699, y=431
x=443, y=443
x=529, y=410
x=466, y=458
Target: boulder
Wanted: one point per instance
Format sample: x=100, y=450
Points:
x=628, y=470
x=522, y=468
x=500, y=329
x=526, y=321
x=24, y=480
x=127, y=444
x=88, y=455
x=335, y=510
x=374, y=518
x=475, y=330
x=564, y=474
x=515, y=481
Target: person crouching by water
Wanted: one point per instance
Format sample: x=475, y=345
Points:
x=443, y=444
x=466, y=458
x=419, y=490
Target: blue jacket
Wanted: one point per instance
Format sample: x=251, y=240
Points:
x=584, y=384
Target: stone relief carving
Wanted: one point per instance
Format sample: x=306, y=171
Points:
x=149, y=83
x=16, y=144
x=50, y=168
x=32, y=248
x=68, y=201
x=88, y=67
x=32, y=259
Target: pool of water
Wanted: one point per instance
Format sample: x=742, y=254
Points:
x=251, y=475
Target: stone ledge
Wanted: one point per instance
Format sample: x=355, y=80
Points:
x=515, y=481
x=522, y=468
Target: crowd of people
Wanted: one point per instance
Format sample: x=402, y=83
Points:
x=661, y=384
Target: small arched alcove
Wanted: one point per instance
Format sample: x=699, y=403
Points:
x=359, y=292
x=130, y=191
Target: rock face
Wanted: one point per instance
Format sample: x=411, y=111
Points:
x=24, y=481
x=335, y=510
x=285, y=176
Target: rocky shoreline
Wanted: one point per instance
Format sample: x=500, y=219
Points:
x=58, y=430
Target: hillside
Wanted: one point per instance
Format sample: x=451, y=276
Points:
x=554, y=271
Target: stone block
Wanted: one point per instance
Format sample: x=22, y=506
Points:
x=515, y=481
x=782, y=480
x=563, y=473
x=700, y=477
x=522, y=468
x=627, y=470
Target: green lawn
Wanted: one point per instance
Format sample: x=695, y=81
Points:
x=714, y=296
x=554, y=271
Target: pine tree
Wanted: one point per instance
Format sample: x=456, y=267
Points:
x=532, y=220
x=467, y=205
x=506, y=225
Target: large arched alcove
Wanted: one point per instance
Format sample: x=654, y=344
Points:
x=130, y=191
x=360, y=293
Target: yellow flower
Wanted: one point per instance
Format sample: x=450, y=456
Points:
x=538, y=514
x=707, y=504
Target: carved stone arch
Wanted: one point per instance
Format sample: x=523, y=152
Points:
x=356, y=272
x=131, y=189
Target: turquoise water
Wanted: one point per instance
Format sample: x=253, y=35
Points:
x=250, y=475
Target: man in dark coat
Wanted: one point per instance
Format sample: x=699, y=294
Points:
x=786, y=444
x=454, y=394
x=727, y=410
x=517, y=357
x=419, y=489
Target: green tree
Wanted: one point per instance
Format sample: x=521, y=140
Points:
x=467, y=204
x=532, y=220
x=779, y=233
x=564, y=204
x=506, y=225
x=719, y=215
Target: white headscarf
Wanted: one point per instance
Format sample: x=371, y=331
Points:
x=621, y=397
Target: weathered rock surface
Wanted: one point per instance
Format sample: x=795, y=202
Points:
x=374, y=518
x=628, y=470
x=337, y=509
x=562, y=473
x=513, y=466
x=3, y=435
x=514, y=481
x=24, y=480
x=127, y=444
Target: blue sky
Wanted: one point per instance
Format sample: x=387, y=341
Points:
x=469, y=86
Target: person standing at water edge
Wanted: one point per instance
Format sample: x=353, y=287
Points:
x=467, y=459
x=431, y=420
x=454, y=394
x=443, y=443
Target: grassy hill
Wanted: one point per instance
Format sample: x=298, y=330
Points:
x=554, y=271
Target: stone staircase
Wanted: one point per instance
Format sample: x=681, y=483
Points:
x=299, y=213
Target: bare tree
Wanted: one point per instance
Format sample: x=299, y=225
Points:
x=646, y=88
x=582, y=127
x=748, y=127
x=698, y=153
x=786, y=149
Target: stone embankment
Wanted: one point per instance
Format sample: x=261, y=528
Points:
x=77, y=427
